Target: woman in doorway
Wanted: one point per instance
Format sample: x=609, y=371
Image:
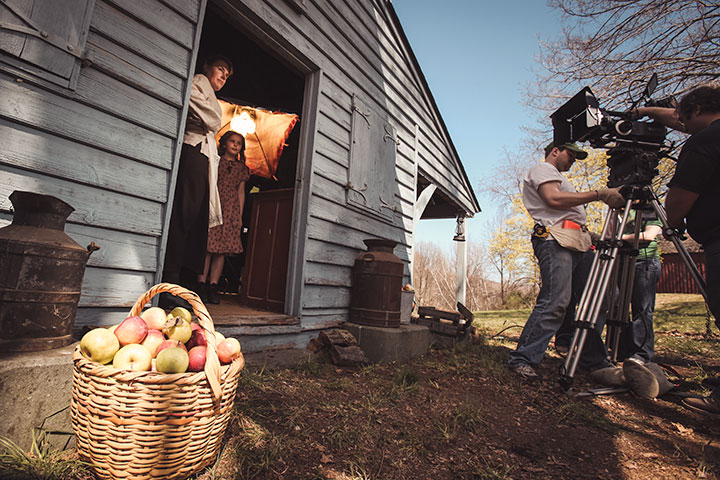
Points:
x=225, y=239
x=196, y=203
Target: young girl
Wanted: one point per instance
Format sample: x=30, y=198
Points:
x=225, y=239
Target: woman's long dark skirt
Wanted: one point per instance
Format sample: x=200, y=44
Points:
x=187, y=235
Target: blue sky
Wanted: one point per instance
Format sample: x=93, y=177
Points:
x=476, y=55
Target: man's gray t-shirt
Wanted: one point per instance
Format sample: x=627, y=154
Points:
x=542, y=173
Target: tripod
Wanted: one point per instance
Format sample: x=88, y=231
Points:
x=614, y=265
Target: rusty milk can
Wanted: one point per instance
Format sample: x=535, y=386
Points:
x=41, y=272
x=377, y=282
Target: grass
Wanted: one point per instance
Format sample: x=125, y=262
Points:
x=40, y=463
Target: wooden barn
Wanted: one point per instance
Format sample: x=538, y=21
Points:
x=675, y=276
x=92, y=108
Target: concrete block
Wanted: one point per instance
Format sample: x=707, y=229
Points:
x=34, y=386
x=386, y=345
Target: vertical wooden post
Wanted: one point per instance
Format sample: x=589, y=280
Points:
x=460, y=260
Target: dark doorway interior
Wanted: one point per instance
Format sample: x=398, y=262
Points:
x=260, y=80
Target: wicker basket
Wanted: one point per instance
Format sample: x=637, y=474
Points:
x=149, y=425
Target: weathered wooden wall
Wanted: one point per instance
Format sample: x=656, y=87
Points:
x=675, y=277
x=361, y=53
x=108, y=146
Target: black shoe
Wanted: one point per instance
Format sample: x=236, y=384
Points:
x=202, y=291
x=212, y=294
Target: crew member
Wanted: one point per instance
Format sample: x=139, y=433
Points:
x=694, y=195
x=561, y=245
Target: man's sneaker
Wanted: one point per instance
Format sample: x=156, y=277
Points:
x=642, y=382
x=525, y=371
x=705, y=405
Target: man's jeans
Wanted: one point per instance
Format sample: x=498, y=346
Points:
x=564, y=274
x=638, y=339
x=712, y=281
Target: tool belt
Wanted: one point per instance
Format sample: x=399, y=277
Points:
x=571, y=235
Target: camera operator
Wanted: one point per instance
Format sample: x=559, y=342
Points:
x=694, y=193
x=561, y=244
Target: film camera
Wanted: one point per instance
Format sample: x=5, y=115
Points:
x=634, y=147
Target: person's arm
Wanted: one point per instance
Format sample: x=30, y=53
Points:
x=664, y=115
x=554, y=198
x=678, y=204
x=241, y=198
x=647, y=235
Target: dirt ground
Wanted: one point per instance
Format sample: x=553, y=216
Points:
x=458, y=413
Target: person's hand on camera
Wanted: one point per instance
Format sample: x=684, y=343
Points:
x=611, y=196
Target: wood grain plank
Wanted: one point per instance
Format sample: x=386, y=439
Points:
x=93, y=206
x=122, y=29
x=161, y=18
x=123, y=101
x=135, y=70
x=31, y=149
x=30, y=105
x=103, y=287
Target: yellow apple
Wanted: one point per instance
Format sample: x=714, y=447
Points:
x=181, y=312
x=177, y=329
x=172, y=360
x=99, y=345
x=133, y=356
x=153, y=340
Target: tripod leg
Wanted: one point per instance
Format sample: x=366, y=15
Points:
x=593, y=296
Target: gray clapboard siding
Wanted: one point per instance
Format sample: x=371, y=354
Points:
x=321, y=252
x=104, y=287
x=30, y=149
x=93, y=206
x=161, y=18
x=124, y=101
x=327, y=274
x=135, y=70
x=119, y=250
x=29, y=104
x=140, y=39
x=98, y=317
x=189, y=9
x=324, y=297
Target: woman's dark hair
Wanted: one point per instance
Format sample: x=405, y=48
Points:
x=223, y=141
x=707, y=98
x=215, y=59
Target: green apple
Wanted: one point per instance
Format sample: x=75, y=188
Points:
x=177, y=329
x=99, y=345
x=172, y=360
x=182, y=313
x=133, y=356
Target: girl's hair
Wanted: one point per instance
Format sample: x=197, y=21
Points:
x=223, y=142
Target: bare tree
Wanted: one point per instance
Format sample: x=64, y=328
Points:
x=615, y=46
x=433, y=276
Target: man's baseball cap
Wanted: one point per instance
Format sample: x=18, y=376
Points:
x=580, y=154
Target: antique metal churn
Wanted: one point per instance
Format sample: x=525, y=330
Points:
x=377, y=282
x=41, y=272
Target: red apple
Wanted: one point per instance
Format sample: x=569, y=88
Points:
x=169, y=344
x=153, y=340
x=195, y=326
x=133, y=357
x=131, y=330
x=154, y=317
x=228, y=350
x=197, y=358
x=197, y=338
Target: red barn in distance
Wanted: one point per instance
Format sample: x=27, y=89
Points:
x=675, y=277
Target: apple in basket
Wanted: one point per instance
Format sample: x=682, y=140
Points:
x=169, y=344
x=197, y=358
x=134, y=356
x=99, y=345
x=154, y=317
x=228, y=350
x=177, y=329
x=181, y=312
x=153, y=340
x=172, y=360
x=131, y=330
x=197, y=338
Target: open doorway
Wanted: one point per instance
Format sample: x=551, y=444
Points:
x=255, y=280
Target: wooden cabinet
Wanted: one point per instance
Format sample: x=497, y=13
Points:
x=266, y=261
